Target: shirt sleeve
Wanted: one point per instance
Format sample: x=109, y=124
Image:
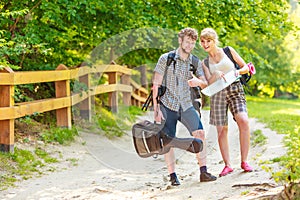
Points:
x=161, y=64
x=199, y=71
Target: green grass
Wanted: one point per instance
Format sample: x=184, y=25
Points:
x=258, y=138
x=60, y=135
x=282, y=116
x=116, y=124
x=24, y=164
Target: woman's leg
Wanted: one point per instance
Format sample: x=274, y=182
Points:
x=223, y=143
x=243, y=124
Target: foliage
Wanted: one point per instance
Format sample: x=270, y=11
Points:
x=258, y=138
x=39, y=35
x=22, y=164
x=115, y=124
x=60, y=135
x=283, y=116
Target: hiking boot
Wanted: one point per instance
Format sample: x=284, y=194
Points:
x=174, y=180
x=246, y=167
x=226, y=171
x=206, y=177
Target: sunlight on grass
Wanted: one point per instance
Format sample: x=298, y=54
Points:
x=288, y=110
x=282, y=116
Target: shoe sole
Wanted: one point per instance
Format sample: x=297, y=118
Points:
x=220, y=175
x=208, y=180
x=248, y=170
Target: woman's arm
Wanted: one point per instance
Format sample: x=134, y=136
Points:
x=211, y=78
x=240, y=61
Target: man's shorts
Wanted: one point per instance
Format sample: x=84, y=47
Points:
x=233, y=97
x=189, y=118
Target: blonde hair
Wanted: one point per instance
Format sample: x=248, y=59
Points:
x=190, y=32
x=210, y=34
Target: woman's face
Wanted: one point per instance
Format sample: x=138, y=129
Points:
x=207, y=44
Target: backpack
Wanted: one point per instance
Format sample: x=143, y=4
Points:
x=150, y=140
x=244, y=77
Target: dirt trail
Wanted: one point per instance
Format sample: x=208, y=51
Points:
x=110, y=169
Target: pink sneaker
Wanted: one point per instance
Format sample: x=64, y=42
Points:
x=246, y=167
x=226, y=171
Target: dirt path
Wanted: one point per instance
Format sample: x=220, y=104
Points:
x=110, y=169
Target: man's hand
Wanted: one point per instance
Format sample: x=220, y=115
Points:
x=158, y=116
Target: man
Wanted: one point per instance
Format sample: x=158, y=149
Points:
x=176, y=103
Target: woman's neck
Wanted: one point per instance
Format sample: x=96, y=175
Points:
x=215, y=55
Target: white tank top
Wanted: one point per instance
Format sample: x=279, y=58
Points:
x=225, y=65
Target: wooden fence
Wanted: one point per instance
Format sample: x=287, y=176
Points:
x=119, y=80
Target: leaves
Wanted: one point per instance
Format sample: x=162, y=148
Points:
x=39, y=35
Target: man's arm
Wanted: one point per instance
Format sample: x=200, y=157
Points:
x=156, y=82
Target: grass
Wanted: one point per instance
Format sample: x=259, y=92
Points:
x=282, y=116
x=23, y=164
x=116, y=124
x=258, y=138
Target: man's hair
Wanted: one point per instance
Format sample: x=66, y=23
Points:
x=190, y=32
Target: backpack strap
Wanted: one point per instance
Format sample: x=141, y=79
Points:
x=206, y=62
x=245, y=77
x=170, y=59
x=195, y=60
x=194, y=64
x=228, y=53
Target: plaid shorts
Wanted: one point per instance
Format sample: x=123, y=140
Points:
x=233, y=97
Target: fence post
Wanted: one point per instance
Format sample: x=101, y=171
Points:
x=113, y=96
x=85, y=105
x=7, y=126
x=62, y=89
x=125, y=79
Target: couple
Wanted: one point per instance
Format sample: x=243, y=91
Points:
x=176, y=104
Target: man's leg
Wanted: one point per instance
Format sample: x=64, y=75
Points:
x=170, y=161
x=201, y=157
x=191, y=119
x=170, y=129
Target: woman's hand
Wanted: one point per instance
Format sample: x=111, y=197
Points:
x=219, y=75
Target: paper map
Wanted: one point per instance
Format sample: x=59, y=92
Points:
x=220, y=84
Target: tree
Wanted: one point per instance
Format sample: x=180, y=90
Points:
x=39, y=35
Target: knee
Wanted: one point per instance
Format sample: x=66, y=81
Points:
x=243, y=121
x=222, y=132
x=200, y=134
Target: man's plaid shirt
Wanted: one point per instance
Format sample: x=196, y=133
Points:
x=178, y=92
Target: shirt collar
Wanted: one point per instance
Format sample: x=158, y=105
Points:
x=177, y=56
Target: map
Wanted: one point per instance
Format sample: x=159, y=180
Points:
x=220, y=84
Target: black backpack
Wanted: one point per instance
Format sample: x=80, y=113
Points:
x=244, y=78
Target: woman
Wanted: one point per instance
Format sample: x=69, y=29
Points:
x=233, y=97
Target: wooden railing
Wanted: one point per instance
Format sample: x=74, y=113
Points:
x=119, y=80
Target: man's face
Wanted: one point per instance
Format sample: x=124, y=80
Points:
x=187, y=44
